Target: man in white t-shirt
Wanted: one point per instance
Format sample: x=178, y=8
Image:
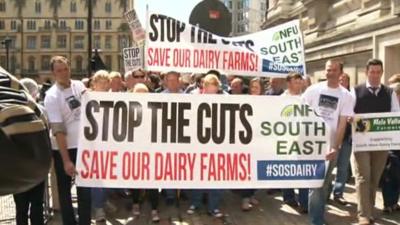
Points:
x=62, y=104
x=334, y=104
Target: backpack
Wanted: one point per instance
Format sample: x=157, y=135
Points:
x=25, y=151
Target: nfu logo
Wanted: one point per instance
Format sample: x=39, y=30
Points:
x=296, y=110
x=285, y=33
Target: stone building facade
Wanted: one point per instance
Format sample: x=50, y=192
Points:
x=40, y=29
x=352, y=30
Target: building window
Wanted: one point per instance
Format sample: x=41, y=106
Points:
x=239, y=4
x=61, y=41
x=38, y=7
x=108, y=61
x=97, y=42
x=263, y=6
x=242, y=28
x=2, y=6
x=108, y=7
x=31, y=25
x=45, y=62
x=3, y=61
x=45, y=41
x=13, y=25
x=12, y=43
x=96, y=25
x=31, y=42
x=79, y=42
x=120, y=63
x=31, y=63
x=47, y=24
x=240, y=16
x=79, y=63
x=63, y=24
x=79, y=25
x=2, y=25
x=108, y=24
x=108, y=42
x=123, y=42
x=73, y=6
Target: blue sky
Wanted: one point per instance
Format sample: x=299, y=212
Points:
x=178, y=9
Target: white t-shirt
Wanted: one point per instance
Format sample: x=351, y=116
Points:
x=64, y=106
x=330, y=103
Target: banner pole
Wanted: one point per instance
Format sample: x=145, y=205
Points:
x=145, y=39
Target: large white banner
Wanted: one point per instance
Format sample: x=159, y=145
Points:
x=130, y=140
x=174, y=45
x=376, y=132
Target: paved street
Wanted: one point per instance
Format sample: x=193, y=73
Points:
x=270, y=211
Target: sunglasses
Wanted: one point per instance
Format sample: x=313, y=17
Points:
x=139, y=76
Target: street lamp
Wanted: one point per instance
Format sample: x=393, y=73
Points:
x=6, y=42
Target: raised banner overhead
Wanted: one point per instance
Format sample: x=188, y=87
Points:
x=138, y=32
x=174, y=45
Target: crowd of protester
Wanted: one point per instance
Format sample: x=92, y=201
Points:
x=61, y=101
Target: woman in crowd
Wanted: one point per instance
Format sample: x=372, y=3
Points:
x=256, y=87
x=101, y=82
x=152, y=193
x=211, y=85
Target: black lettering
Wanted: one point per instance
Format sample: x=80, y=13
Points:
x=91, y=134
x=106, y=105
x=134, y=122
x=153, y=35
x=204, y=108
x=154, y=106
x=245, y=136
x=214, y=124
x=120, y=122
x=168, y=123
x=183, y=122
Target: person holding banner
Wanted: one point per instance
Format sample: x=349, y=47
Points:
x=294, y=83
x=211, y=85
x=134, y=77
x=116, y=84
x=101, y=81
x=334, y=104
x=390, y=180
x=371, y=97
x=237, y=87
x=172, y=85
x=248, y=198
x=63, y=107
x=256, y=86
x=343, y=158
x=275, y=86
x=152, y=193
